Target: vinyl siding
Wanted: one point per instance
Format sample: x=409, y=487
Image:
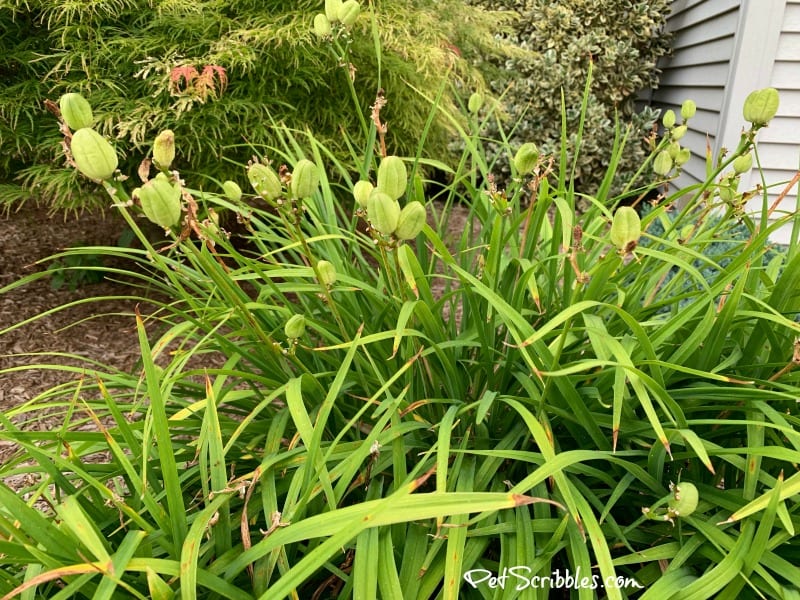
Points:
x=699, y=69
x=779, y=144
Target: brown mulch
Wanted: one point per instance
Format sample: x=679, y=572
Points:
x=103, y=330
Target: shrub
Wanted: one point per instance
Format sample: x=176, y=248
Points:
x=228, y=69
x=339, y=411
x=622, y=40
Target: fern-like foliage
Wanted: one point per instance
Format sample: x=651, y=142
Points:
x=221, y=73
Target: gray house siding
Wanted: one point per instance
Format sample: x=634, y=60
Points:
x=723, y=50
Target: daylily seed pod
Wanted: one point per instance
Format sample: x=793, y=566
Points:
x=295, y=327
x=322, y=26
x=305, y=179
x=332, y=8
x=669, y=119
x=688, y=109
x=526, y=158
x=349, y=11
x=761, y=106
x=392, y=177
x=626, y=228
x=232, y=191
x=411, y=221
x=383, y=212
x=361, y=192
x=327, y=273
x=265, y=181
x=93, y=154
x=684, y=499
x=742, y=164
x=161, y=201
x=662, y=164
x=76, y=111
x=475, y=102
x=164, y=149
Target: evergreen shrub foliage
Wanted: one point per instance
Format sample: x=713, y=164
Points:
x=220, y=74
x=623, y=40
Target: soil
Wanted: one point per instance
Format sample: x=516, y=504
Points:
x=103, y=331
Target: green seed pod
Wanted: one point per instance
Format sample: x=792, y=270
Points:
x=683, y=157
x=383, y=212
x=475, y=102
x=164, y=150
x=93, y=154
x=232, y=191
x=683, y=500
x=332, y=8
x=322, y=26
x=327, y=273
x=411, y=221
x=361, y=192
x=76, y=111
x=305, y=179
x=161, y=201
x=295, y=327
x=678, y=132
x=674, y=148
x=349, y=11
x=265, y=181
x=626, y=229
x=688, y=109
x=526, y=158
x=728, y=188
x=760, y=106
x=668, y=119
x=662, y=164
x=742, y=164
x=392, y=177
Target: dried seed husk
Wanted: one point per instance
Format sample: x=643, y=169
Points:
x=94, y=156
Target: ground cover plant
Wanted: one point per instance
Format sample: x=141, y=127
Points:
x=352, y=405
